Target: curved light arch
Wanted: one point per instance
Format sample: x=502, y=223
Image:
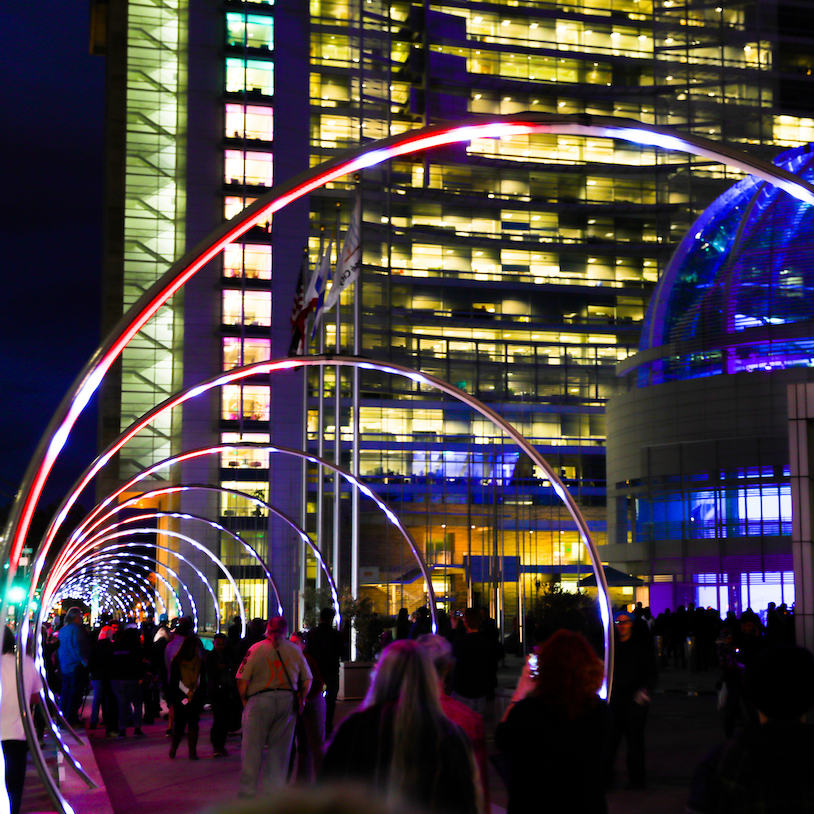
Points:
x=303, y=535
x=149, y=561
x=353, y=160
x=78, y=558
x=82, y=585
x=80, y=562
x=219, y=448
x=183, y=516
x=89, y=379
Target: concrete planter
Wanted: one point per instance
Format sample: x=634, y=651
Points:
x=354, y=679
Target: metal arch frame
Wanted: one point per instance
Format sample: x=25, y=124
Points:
x=217, y=449
x=167, y=584
x=183, y=516
x=108, y=577
x=105, y=564
x=251, y=498
x=80, y=562
x=98, y=541
x=281, y=195
x=272, y=366
x=89, y=379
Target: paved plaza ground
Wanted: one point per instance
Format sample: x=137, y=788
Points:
x=139, y=777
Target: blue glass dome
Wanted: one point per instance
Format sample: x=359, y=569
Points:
x=738, y=293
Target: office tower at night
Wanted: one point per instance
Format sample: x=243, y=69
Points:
x=517, y=269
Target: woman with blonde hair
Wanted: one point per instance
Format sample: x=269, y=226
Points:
x=556, y=737
x=401, y=743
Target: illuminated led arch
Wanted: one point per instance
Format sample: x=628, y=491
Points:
x=278, y=197
x=136, y=317
x=58, y=568
x=101, y=576
x=303, y=535
x=102, y=558
x=78, y=556
x=183, y=516
x=80, y=562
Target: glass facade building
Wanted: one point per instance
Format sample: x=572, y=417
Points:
x=518, y=269
x=728, y=329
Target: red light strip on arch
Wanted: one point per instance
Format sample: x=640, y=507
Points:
x=358, y=158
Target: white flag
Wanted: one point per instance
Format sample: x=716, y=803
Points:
x=350, y=261
x=321, y=279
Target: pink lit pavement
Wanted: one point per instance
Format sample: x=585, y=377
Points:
x=137, y=776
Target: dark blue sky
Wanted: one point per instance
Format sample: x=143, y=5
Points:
x=52, y=128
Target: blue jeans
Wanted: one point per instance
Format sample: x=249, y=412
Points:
x=128, y=694
x=73, y=686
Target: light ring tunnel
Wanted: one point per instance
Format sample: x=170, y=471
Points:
x=98, y=558
x=77, y=398
x=183, y=516
x=78, y=556
x=95, y=579
x=353, y=160
x=349, y=477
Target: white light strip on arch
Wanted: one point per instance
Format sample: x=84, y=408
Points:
x=80, y=532
x=54, y=575
x=183, y=516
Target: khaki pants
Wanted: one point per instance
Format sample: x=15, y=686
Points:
x=268, y=720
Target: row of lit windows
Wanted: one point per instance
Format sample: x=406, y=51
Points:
x=249, y=30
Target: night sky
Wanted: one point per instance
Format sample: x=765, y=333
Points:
x=51, y=230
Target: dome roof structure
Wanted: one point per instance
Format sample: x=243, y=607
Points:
x=738, y=293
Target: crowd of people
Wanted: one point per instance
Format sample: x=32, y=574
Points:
x=419, y=735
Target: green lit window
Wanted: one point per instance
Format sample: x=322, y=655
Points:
x=250, y=30
x=252, y=75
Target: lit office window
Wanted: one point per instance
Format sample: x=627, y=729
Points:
x=248, y=401
x=247, y=308
x=238, y=352
x=248, y=168
x=249, y=75
x=247, y=260
x=246, y=458
x=250, y=30
x=249, y=121
x=240, y=506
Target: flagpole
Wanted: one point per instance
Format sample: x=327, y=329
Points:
x=357, y=351
x=337, y=542
x=321, y=434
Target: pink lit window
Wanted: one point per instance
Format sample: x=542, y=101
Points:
x=249, y=121
x=248, y=168
x=249, y=260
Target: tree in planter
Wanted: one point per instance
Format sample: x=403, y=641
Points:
x=555, y=609
x=314, y=600
x=358, y=612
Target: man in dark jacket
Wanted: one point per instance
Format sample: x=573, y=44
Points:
x=326, y=647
